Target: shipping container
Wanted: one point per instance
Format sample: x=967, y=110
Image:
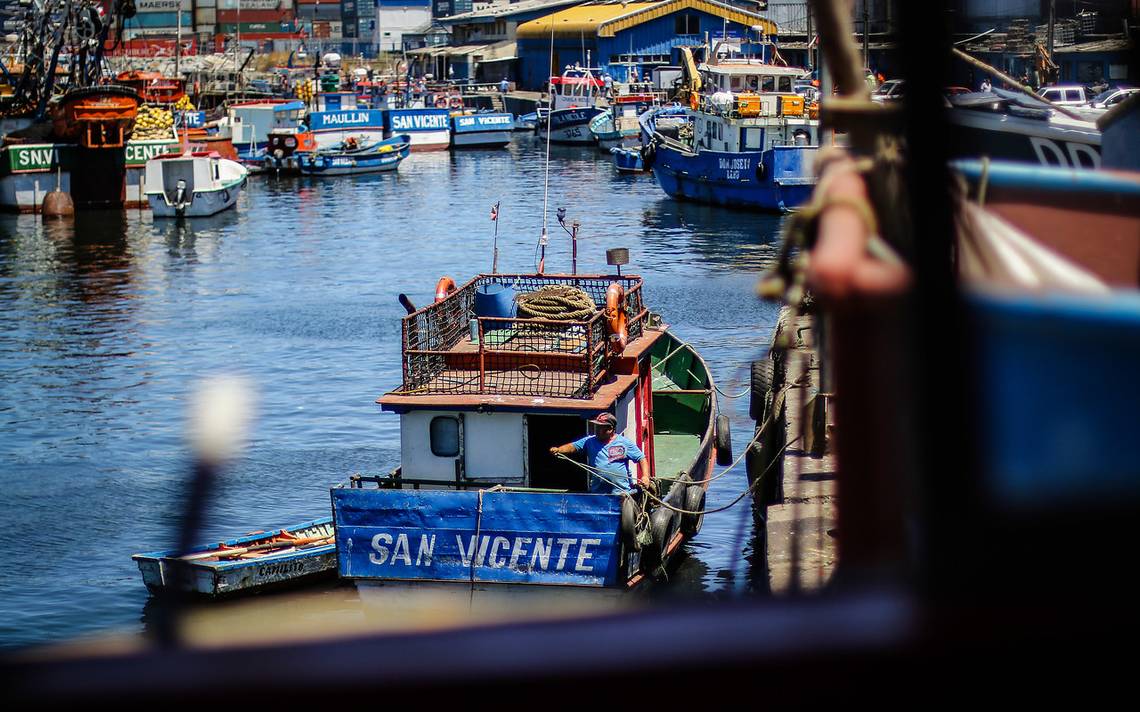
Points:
x=203, y=4
x=323, y=11
x=165, y=20
x=228, y=17
x=205, y=16
x=255, y=5
x=252, y=28
x=146, y=7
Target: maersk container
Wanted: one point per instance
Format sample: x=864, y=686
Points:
x=162, y=20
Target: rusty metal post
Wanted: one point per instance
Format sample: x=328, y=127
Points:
x=482, y=360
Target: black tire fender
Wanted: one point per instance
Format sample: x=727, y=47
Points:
x=723, y=440
x=694, y=502
x=629, y=512
x=763, y=374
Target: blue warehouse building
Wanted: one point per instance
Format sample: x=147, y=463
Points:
x=622, y=38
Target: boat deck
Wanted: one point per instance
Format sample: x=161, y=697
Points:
x=459, y=387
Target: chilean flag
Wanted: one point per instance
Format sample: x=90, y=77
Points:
x=494, y=212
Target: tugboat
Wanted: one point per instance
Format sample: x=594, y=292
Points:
x=748, y=140
x=498, y=374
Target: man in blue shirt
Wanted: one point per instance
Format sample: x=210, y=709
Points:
x=611, y=454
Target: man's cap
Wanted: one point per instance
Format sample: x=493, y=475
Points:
x=605, y=419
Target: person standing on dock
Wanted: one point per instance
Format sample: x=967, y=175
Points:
x=504, y=86
x=609, y=453
x=986, y=86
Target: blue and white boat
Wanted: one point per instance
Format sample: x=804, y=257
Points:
x=618, y=125
x=478, y=498
x=192, y=184
x=353, y=157
x=482, y=130
x=627, y=159
x=249, y=124
x=254, y=562
x=430, y=128
x=330, y=129
x=574, y=98
x=747, y=140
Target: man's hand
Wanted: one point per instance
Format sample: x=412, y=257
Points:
x=554, y=450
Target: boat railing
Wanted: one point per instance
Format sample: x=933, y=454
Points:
x=449, y=349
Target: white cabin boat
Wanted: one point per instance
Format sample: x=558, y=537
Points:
x=574, y=98
x=192, y=185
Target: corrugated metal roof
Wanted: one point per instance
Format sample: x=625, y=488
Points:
x=496, y=12
x=604, y=20
x=574, y=21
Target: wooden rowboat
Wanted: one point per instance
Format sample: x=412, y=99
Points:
x=254, y=562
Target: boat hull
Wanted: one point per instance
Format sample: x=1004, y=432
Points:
x=1003, y=137
x=429, y=129
x=628, y=160
x=780, y=179
x=164, y=572
x=481, y=130
x=204, y=204
x=572, y=126
x=387, y=156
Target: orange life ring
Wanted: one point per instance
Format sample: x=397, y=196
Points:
x=444, y=287
x=441, y=102
x=694, y=101
x=616, y=318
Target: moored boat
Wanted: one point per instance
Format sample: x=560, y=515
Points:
x=747, y=139
x=574, y=97
x=254, y=562
x=481, y=130
x=628, y=159
x=95, y=117
x=190, y=185
x=489, y=388
x=618, y=125
x=353, y=157
x=429, y=128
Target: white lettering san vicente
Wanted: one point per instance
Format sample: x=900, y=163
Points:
x=520, y=553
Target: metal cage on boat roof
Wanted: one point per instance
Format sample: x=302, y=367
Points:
x=448, y=348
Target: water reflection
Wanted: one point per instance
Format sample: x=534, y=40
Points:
x=106, y=321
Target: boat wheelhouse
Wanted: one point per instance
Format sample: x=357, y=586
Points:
x=748, y=139
x=488, y=389
x=618, y=125
x=249, y=124
x=574, y=104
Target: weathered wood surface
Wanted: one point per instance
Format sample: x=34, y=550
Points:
x=801, y=542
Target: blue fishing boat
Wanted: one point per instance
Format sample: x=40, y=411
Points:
x=618, y=125
x=352, y=157
x=574, y=104
x=330, y=129
x=250, y=123
x=429, y=128
x=254, y=562
x=628, y=159
x=747, y=140
x=495, y=375
x=482, y=130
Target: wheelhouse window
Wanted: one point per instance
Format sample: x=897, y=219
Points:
x=785, y=84
x=444, y=436
x=767, y=83
x=687, y=24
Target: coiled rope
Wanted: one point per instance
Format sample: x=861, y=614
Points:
x=559, y=302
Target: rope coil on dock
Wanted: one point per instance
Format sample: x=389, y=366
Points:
x=560, y=302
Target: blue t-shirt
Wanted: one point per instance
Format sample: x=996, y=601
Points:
x=611, y=458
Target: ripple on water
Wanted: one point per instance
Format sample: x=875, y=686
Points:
x=106, y=323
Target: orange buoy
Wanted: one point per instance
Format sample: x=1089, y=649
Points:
x=444, y=287
x=616, y=317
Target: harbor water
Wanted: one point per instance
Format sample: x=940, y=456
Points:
x=107, y=323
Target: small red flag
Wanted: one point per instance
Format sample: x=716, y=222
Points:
x=494, y=212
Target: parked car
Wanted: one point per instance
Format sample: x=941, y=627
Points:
x=889, y=91
x=953, y=91
x=1065, y=94
x=1111, y=97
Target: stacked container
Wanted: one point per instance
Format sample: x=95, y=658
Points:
x=160, y=17
x=256, y=19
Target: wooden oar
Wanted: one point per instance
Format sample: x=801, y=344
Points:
x=224, y=553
